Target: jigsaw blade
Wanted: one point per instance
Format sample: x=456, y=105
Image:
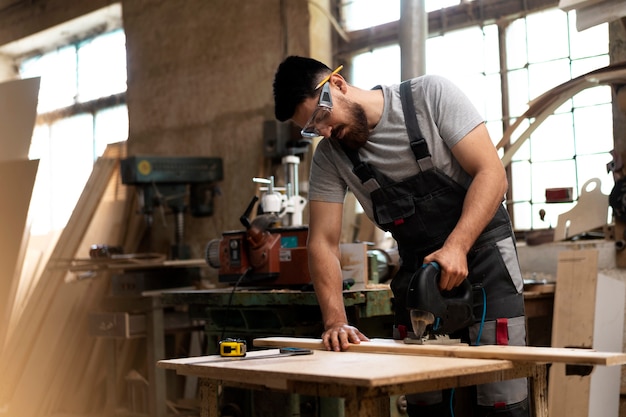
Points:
x=420, y=320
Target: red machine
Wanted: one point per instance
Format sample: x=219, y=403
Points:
x=262, y=254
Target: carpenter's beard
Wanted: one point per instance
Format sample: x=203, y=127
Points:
x=355, y=134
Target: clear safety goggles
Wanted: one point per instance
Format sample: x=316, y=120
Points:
x=320, y=116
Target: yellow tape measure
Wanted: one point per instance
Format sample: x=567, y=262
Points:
x=232, y=347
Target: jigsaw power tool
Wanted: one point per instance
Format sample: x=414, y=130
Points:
x=435, y=313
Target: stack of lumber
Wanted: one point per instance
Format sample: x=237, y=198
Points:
x=48, y=363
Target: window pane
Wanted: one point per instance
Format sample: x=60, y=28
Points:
x=521, y=173
x=102, y=66
x=593, y=96
x=455, y=53
x=547, y=36
x=523, y=215
x=67, y=143
x=518, y=92
x=495, y=130
x=492, y=97
x=589, y=42
x=453, y=56
x=516, y=41
x=491, y=49
x=552, y=174
x=111, y=126
x=58, y=78
x=547, y=75
x=594, y=129
x=71, y=163
x=553, y=139
x=585, y=65
x=360, y=14
x=380, y=66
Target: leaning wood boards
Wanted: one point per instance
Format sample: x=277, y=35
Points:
x=512, y=353
x=589, y=314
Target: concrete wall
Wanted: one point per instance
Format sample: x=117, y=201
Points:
x=200, y=83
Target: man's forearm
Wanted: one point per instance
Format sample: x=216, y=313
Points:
x=327, y=281
x=482, y=201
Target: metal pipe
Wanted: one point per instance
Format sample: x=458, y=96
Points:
x=413, y=35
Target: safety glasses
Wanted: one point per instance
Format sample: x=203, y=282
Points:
x=320, y=116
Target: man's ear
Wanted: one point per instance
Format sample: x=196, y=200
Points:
x=337, y=81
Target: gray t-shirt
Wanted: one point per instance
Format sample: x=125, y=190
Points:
x=444, y=114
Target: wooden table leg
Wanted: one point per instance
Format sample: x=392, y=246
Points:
x=209, y=401
x=539, y=391
x=360, y=405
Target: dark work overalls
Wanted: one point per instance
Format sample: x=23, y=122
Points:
x=420, y=212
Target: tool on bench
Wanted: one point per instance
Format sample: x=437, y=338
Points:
x=283, y=352
x=233, y=347
x=436, y=313
x=267, y=253
x=180, y=184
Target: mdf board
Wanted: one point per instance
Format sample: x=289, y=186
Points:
x=17, y=179
x=526, y=354
x=18, y=110
x=590, y=212
x=588, y=313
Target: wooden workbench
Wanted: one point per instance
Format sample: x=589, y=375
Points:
x=364, y=380
x=370, y=372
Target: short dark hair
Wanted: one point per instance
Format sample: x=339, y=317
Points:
x=294, y=82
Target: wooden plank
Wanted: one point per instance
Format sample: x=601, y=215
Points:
x=17, y=179
x=18, y=110
x=28, y=363
x=588, y=313
x=512, y=353
x=572, y=325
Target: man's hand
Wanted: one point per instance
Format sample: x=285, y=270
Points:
x=338, y=337
x=453, y=263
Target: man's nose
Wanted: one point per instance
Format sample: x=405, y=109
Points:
x=325, y=131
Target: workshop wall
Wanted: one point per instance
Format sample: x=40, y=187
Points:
x=200, y=84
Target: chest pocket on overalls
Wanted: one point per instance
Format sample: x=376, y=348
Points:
x=422, y=208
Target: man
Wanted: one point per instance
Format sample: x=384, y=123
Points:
x=423, y=166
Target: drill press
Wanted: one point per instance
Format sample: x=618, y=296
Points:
x=179, y=183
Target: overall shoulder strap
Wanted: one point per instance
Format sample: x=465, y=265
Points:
x=418, y=144
x=368, y=176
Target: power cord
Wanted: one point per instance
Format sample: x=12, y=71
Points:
x=480, y=333
x=482, y=320
x=230, y=299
